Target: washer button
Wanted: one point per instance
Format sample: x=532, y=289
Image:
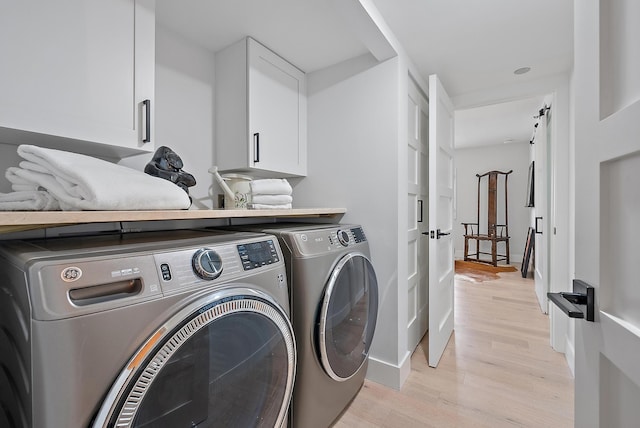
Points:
x=166, y=272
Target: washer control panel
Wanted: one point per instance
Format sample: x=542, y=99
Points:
x=211, y=263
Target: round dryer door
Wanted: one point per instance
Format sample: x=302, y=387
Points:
x=348, y=316
x=227, y=360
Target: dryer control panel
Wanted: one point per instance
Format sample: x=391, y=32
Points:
x=330, y=239
x=346, y=237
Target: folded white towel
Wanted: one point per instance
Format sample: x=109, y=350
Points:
x=270, y=186
x=81, y=182
x=29, y=200
x=19, y=184
x=272, y=199
x=269, y=206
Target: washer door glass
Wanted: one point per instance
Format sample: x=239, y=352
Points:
x=348, y=316
x=229, y=362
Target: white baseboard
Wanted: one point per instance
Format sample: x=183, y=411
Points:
x=388, y=374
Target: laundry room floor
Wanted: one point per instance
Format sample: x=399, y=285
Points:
x=498, y=369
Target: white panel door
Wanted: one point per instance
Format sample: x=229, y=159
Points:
x=441, y=266
x=417, y=194
x=541, y=217
x=607, y=209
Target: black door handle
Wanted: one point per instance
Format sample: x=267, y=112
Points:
x=438, y=234
x=580, y=303
x=539, y=232
x=256, y=147
x=420, y=212
x=147, y=120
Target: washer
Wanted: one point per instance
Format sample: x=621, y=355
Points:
x=334, y=303
x=178, y=328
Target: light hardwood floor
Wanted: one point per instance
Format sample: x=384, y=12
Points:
x=498, y=369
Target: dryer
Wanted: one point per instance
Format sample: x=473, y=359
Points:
x=174, y=328
x=334, y=308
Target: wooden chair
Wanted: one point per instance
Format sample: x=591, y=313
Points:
x=495, y=233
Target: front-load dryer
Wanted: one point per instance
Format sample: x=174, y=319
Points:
x=334, y=307
x=162, y=329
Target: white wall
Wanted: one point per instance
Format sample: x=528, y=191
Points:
x=503, y=157
x=353, y=163
x=8, y=157
x=184, y=110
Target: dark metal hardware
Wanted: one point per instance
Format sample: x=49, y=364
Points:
x=577, y=304
x=541, y=113
x=439, y=234
x=147, y=121
x=539, y=232
x=420, y=210
x=256, y=147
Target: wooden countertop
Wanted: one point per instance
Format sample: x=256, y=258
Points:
x=13, y=221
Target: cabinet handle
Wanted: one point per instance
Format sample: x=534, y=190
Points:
x=538, y=231
x=256, y=147
x=420, y=210
x=147, y=121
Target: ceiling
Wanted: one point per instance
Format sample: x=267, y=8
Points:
x=308, y=33
x=474, y=46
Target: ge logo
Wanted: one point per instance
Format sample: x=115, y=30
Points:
x=71, y=274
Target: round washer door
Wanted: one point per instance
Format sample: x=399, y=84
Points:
x=348, y=316
x=228, y=359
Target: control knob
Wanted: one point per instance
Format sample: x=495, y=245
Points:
x=343, y=237
x=207, y=264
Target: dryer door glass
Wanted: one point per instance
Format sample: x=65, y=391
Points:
x=228, y=363
x=348, y=316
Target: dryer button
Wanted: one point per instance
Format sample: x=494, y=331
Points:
x=343, y=237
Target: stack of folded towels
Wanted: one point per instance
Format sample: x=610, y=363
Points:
x=271, y=193
x=50, y=179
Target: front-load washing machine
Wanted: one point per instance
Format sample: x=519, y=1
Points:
x=159, y=329
x=334, y=307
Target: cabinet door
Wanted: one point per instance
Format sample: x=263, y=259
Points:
x=277, y=113
x=78, y=69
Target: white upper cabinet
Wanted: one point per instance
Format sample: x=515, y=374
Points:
x=76, y=74
x=261, y=112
